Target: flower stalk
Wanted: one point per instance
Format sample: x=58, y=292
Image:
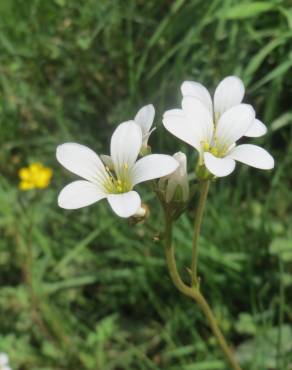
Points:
x=194, y=293
x=204, y=187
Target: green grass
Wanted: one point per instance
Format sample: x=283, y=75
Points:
x=82, y=289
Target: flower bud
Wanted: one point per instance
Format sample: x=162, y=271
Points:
x=140, y=215
x=176, y=185
x=141, y=212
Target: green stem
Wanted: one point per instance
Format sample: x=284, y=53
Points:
x=196, y=295
x=197, y=228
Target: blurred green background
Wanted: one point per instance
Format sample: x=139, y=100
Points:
x=82, y=289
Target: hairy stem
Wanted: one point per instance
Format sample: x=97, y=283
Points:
x=196, y=295
x=197, y=228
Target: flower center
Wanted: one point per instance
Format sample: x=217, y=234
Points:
x=118, y=182
x=215, y=149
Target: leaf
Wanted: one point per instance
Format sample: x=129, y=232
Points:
x=287, y=14
x=287, y=279
x=248, y=10
x=284, y=120
x=74, y=282
x=61, y=3
x=246, y=324
x=262, y=350
x=275, y=73
x=84, y=42
x=80, y=246
x=282, y=248
x=260, y=56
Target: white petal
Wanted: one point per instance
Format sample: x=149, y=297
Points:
x=125, y=204
x=176, y=122
x=4, y=359
x=199, y=92
x=82, y=161
x=79, y=194
x=219, y=166
x=145, y=117
x=199, y=116
x=228, y=93
x=252, y=155
x=233, y=124
x=193, y=130
x=146, y=137
x=257, y=129
x=107, y=160
x=125, y=145
x=153, y=166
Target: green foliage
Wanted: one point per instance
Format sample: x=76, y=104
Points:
x=82, y=289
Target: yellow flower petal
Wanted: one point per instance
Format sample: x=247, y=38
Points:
x=26, y=185
x=44, y=177
x=35, y=167
x=24, y=174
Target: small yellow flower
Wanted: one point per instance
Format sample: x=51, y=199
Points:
x=35, y=176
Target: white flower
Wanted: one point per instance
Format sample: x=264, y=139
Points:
x=4, y=362
x=115, y=185
x=144, y=118
x=177, y=182
x=213, y=129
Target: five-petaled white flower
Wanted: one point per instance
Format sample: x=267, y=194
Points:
x=144, y=118
x=176, y=184
x=214, y=128
x=4, y=362
x=116, y=185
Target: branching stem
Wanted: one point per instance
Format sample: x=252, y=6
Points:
x=194, y=293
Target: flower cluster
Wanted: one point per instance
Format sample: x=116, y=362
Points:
x=35, y=176
x=4, y=362
x=212, y=127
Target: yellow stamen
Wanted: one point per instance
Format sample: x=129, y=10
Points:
x=206, y=147
x=214, y=151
